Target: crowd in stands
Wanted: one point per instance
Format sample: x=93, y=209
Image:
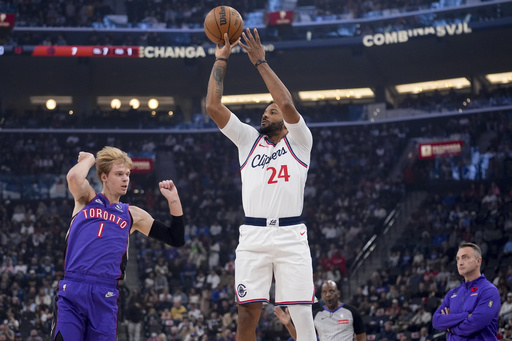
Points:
x=172, y=14
x=186, y=293
x=176, y=14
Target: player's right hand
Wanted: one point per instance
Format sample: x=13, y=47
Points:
x=85, y=155
x=224, y=51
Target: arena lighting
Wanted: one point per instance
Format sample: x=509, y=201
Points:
x=59, y=100
x=165, y=102
x=247, y=99
x=171, y=113
x=499, y=78
x=115, y=103
x=153, y=103
x=442, y=84
x=134, y=103
x=51, y=104
x=337, y=94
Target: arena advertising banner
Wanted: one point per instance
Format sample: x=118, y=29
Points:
x=279, y=18
x=202, y=51
x=7, y=20
x=439, y=149
x=142, y=165
x=403, y=36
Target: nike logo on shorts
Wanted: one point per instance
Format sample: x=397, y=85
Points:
x=109, y=294
x=302, y=233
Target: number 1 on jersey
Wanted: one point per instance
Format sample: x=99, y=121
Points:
x=100, y=231
x=283, y=174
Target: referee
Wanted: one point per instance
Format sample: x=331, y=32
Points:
x=335, y=321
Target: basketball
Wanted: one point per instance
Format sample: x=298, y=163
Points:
x=223, y=19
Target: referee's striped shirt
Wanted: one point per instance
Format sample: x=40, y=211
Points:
x=338, y=325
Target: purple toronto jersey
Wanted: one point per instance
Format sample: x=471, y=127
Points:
x=97, y=239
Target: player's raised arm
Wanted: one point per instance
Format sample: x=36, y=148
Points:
x=217, y=111
x=173, y=235
x=275, y=86
x=77, y=179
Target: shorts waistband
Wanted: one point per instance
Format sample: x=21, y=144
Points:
x=272, y=221
x=89, y=279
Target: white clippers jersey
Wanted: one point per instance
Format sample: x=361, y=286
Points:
x=273, y=176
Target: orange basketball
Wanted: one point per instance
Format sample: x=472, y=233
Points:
x=223, y=19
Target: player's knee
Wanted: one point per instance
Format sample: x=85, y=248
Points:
x=249, y=314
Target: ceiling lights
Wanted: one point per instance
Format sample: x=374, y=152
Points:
x=442, y=84
x=336, y=94
x=499, y=78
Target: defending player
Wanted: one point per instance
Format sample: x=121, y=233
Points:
x=97, y=245
x=273, y=162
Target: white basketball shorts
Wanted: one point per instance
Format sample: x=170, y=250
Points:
x=279, y=251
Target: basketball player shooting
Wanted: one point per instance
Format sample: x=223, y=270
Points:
x=274, y=162
x=97, y=245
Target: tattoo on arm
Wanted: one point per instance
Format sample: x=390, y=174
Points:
x=218, y=75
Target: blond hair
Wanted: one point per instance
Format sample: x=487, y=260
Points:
x=107, y=157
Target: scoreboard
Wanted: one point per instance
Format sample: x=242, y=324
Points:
x=86, y=51
x=71, y=51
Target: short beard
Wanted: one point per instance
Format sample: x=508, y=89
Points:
x=272, y=129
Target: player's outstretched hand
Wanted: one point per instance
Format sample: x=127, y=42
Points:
x=253, y=45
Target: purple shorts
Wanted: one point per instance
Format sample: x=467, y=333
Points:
x=86, y=309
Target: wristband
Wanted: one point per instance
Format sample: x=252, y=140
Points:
x=223, y=59
x=260, y=61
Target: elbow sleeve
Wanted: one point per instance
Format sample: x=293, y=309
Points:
x=174, y=235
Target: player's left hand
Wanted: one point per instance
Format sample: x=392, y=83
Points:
x=253, y=45
x=168, y=189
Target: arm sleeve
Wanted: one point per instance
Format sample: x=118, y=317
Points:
x=173, y=235
x=485, y=311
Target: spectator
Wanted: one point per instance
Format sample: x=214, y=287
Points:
x=387, y=332
x=178, y=310
x=506, y=308
x=226, y=335
x=34, y=336
x=425, y=335
x=421, y=318
x=6, y=331
x=134, y=315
